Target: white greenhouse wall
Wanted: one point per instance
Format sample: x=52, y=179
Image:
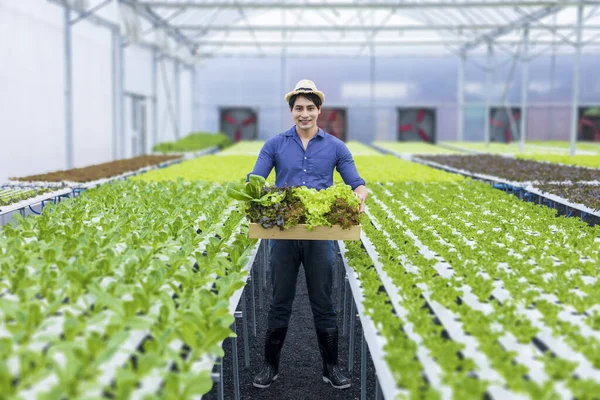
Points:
x=92, y=94
x=32, y=91
x=31, y=88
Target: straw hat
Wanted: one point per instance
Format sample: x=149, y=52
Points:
x=305, y=86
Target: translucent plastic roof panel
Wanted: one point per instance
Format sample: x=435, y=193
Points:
x=347, y=28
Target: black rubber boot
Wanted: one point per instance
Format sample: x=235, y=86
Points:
x=270, y=370
x=328, y=346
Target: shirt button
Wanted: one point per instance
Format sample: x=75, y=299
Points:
x=305, y=158
x=304, y=170
x=303, y=183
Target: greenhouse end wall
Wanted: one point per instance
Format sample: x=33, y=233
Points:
x=429, y=82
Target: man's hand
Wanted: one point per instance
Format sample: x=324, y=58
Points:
x=362, y=194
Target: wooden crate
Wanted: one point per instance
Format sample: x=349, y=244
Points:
x=300, y=232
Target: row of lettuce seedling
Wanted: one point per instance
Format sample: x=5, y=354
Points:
x=99, y=293
x=478, y=287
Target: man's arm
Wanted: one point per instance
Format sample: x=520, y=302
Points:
x=265, y=161
x=349, y=173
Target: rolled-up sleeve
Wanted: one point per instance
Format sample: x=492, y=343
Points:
x=346, y=167
x=265, y=162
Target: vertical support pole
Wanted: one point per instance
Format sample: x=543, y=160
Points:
x=550, y=114
x=351, y=336
x=260, y=273
x=251, y=277
x=345, y=305
x=194, y=96
x=265, y=263
x=524, y=88
x=340, y=278
x=234, y=356
x=221, y=388
x=363, y=368
x=378, y=394
x=372, y=86
x=460, y=117
x=177, y=64
x=576, y=78
x=335, y=274
x=122, y=132
x=68, y=88
x=245, y=329
x=488, y=95
x=115, y=92
x=283, y=68
x=155, y=56
x=119, y=150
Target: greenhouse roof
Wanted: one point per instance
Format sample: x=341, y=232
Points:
x=260, y=28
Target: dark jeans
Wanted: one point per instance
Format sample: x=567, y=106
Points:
x=318, y=258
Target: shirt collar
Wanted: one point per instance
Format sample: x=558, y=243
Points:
x=292, y=132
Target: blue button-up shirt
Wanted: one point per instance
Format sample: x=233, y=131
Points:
x=312, y=168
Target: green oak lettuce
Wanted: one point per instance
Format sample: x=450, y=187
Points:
x=286, y=207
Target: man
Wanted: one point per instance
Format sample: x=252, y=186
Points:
x=305, y=155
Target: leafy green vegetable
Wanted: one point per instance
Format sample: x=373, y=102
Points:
x=106, y=285
x=194, y=141
x=287, y=207
x=253, y=192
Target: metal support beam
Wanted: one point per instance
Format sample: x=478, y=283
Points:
x=283, y=70
x=576, y=78
x=519, y=23
x=194, y=96
x=143, y=9
x=245, y=328
x=378, y=394
x=524, y=88
x=366, y=28
x=236, y=370
x=354, y=43
x=460, y=91
x=122, y=150
x=116, y=46
x=363, y=368
x=550, y=116
x=357, y=5
x=351, y=335
x=154, y=97
x=350, y=55
x=177, y=66
x=68, y=89
x=488, y=94
x=372, y=86
x=90, y=12
x=91, y=17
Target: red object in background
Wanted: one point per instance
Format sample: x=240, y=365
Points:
x=420, y=125
x=497, y=123
x=588, y=123
x=333, y=121
x=238, y=126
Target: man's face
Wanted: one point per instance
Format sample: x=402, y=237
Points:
x=305, y=114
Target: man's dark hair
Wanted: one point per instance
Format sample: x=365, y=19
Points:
x=309, y=96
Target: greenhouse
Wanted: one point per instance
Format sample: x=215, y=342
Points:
x=268, y=199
